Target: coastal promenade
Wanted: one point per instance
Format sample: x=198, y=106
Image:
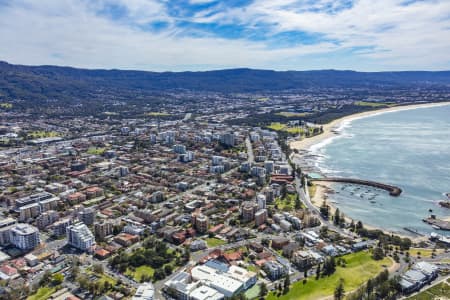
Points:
x=393, y=190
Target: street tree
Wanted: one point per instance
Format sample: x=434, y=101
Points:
x=339, y=290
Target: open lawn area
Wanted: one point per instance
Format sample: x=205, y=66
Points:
x=283, y=127
x=439, y=291
x=214, y=242
x=42, y=293
x=253, y=292
x=253, y=268
x=286, y=204
x=42, y=134
x=105, y=278
x=6, y=105
x=157, y=114
x=101, y=277
x=415, y=252
x=371, y=104
x=360, y=267
x=277, y=126
x=96, y=151
x=288, y=114
x=142, y=270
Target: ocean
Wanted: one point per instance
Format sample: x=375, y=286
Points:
x=409, y=149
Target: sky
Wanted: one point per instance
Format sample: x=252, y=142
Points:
x=178, y=35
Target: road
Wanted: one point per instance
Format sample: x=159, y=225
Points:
x=304, y=197
x=250, y=155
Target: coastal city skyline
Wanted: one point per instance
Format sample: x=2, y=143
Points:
x=157, y=35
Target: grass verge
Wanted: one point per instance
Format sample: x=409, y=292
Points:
x=360, y=267
x=214, y=242
x=42, y=293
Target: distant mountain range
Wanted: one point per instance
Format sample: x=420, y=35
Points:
x=53, y=82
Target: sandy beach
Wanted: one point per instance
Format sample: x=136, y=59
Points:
x=328, y=129
x=322, y=190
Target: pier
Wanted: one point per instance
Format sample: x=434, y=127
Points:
x=393, y=190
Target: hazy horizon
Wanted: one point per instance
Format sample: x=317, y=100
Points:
x=219, y=69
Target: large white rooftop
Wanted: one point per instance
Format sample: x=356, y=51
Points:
x=145, y=291
x=205, y=293
x=216, y=280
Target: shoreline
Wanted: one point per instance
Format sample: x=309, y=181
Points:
x=330, y=128
x=322, y=190
x=329, y=132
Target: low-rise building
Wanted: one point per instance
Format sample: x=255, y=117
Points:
x=145, y=291
x=418, y=276
x=217, y=280
x=274, y=270
x=126, y=239
x=205, y=293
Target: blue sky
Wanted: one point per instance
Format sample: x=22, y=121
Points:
x=175, y=35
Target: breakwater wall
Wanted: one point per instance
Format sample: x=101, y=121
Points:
x=393, y=190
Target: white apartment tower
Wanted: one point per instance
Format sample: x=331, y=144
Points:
x=79, y=236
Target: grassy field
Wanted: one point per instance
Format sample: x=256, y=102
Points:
x=253, y=293
x=157, y=114
x=439, y=291
x=288, y=114
x=102, y=277
x=415, y=252
x=213, y=242
x=96, y=151
x=277, y=126
x=42, y=134
x=283, y=127
x=42, y=293
x=286, y=204
x=105, y=278
x=360, y=267
x=6, y=105
x=371, y=104
x=253, y=268
x=142, y=270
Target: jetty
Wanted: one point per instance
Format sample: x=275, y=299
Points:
x=437, y=223
x=414, y=231
x=393, y=190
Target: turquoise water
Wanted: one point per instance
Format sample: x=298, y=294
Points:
x=409, y=149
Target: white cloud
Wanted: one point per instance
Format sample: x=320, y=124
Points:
x=70, y=32
x=415, y=35
x=83, y=39
x=200, y=1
